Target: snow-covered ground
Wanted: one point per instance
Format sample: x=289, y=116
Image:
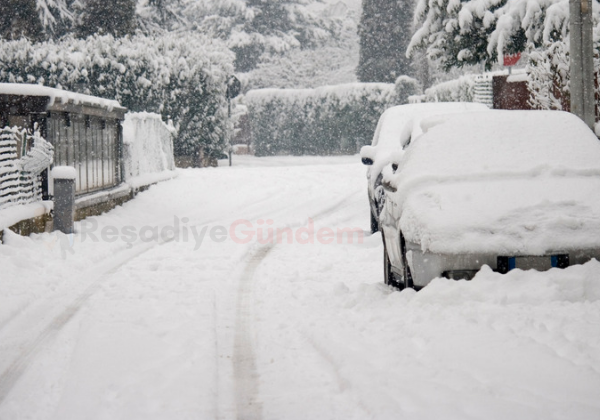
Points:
x=145, y=314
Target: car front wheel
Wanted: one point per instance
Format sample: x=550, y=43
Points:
x=374, y=223
x=408, y=280
x=389, y=277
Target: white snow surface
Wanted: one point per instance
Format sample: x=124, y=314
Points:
x=152, y=328
x=533, y=178
x=62, y=95
x=13, y=215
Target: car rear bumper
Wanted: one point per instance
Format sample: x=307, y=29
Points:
x=425, y=266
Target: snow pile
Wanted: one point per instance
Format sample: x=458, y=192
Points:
x=147, y=147
x=326, y=120
x=12, y=215
x=532, y=176
x=497, y=347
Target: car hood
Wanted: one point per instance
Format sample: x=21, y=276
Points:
x=532, y=216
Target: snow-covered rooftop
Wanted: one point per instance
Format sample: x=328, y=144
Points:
x=59, y=95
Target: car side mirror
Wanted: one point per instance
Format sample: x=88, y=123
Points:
x=367, y=155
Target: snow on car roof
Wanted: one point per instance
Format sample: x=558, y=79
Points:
x=394, y=128
x=62, y=95
x=502, y=142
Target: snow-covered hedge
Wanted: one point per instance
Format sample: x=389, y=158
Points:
x=457, y=90
x=181, y=77
x=326, y=120
x=147, y=147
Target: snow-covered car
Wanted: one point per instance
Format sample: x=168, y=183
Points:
x=506, y=189
x=396, y=127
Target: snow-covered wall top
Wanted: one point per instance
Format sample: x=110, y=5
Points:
x=147, y=145
x=55, y=95
x=348, y=91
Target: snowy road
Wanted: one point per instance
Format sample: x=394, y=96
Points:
x=180, y=305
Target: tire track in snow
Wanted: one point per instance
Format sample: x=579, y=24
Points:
x=244, y=362
x=19, y=365
x=248, y=407
x=105, y=265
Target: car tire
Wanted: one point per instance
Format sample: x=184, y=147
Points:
x=407, y=280
x=374, y=223
x=389, y=277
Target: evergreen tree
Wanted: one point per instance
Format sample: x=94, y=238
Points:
x=19, y=18
x=158, y=16
x=252, y=28
x=269, y=18
x=114, y=17
x=56, y=16
x=468, y=32
x=385, y=30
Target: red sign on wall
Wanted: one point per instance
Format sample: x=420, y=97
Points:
x=511, y=59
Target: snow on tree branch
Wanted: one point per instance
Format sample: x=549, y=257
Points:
x=456, y=32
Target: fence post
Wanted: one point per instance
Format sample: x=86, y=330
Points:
x=64, y=198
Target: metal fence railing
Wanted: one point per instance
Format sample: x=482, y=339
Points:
x=91, y=145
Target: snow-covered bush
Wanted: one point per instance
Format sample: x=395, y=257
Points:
x=548, y=75
x=405, y=87
x=458, y=90
x=326, y=120
x=181, y=77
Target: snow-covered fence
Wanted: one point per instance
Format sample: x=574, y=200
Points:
x=483, y=91
x=20, y=168
x=327, y=120
x=147, y=148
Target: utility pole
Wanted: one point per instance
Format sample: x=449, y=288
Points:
x=582, y=61
x=234, y=87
